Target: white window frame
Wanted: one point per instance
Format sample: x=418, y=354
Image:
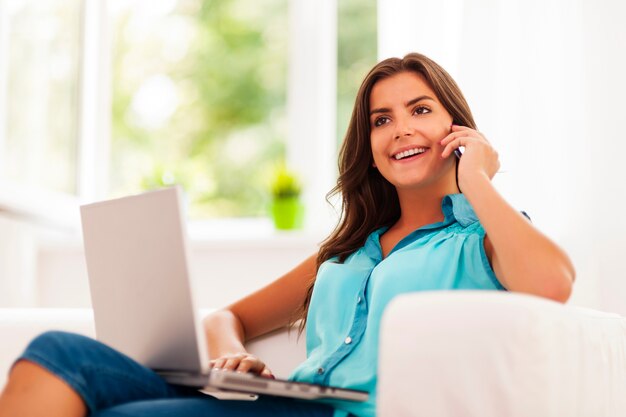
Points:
x=94, y=116
x=312, y=104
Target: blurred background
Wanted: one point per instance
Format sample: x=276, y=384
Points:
x=100, y=99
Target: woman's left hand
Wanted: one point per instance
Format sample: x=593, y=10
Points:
x=479, y=156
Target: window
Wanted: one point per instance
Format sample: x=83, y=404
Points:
x=101, y=99
x=199, y=96
x=39, y=74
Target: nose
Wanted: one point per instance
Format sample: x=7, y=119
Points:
x=403, y=128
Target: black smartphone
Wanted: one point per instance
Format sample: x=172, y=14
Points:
x=458, y=152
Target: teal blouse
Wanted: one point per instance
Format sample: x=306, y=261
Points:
x=349, y=298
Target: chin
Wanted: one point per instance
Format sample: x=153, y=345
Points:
x=410, y=185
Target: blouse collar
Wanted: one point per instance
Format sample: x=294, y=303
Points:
x=454, y=207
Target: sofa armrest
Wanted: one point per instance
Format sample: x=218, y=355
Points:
x=281, y=350
x=18, y=326
x=488, y=354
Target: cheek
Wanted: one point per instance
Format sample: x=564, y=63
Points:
x=378, y=151
x=434, y=130
x=373, y=144
x=375, y=159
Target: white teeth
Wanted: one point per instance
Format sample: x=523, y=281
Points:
x=409, y=153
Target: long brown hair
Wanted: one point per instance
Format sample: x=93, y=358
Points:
x=369, y=200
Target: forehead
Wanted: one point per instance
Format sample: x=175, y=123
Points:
x=399, y=88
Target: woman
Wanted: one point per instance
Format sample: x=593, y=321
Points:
x=415, y=217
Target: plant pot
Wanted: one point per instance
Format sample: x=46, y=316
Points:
x=287, y=213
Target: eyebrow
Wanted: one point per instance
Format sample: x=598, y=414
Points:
x=407, y=104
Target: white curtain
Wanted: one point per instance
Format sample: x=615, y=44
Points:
x=546, y=81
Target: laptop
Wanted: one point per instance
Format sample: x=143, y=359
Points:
x=141, y=292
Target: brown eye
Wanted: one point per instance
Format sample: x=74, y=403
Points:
x=421, y=110
x=380, y=121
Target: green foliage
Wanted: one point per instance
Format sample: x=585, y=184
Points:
x=227, y=129
x=285, y=183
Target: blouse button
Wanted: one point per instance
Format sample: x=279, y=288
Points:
x=348, y=340
x=358, y=300
x=320, y=371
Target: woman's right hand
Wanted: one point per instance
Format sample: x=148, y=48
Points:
x=242, y=362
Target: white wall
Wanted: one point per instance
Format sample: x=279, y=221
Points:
x=545, y=80
x=18, y=252
x=45, y=267
x=222, y=270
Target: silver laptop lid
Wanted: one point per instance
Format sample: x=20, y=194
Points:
x=136, y=252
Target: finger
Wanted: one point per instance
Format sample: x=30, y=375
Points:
x=232, y=363
x=250, y=364
x=450, y=136
x=450, y=147
x=462, y=138
x=447, y=139
x=219, y=363
x=455, y=135
x=456, y=128
x=267, y=373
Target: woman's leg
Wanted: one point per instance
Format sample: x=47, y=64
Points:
x=205, y=406
x=99, y=376
x=34, y=391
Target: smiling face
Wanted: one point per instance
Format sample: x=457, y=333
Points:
x=407, y=122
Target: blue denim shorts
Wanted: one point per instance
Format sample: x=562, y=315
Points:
x=114, y=385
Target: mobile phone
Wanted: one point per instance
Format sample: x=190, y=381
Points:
x=458, y=152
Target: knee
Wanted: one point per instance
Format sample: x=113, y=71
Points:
x=57, y=344
x=54, y=339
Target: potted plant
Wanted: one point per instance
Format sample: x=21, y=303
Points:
x=286, y=207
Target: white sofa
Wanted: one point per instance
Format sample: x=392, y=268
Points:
x=448, y=354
